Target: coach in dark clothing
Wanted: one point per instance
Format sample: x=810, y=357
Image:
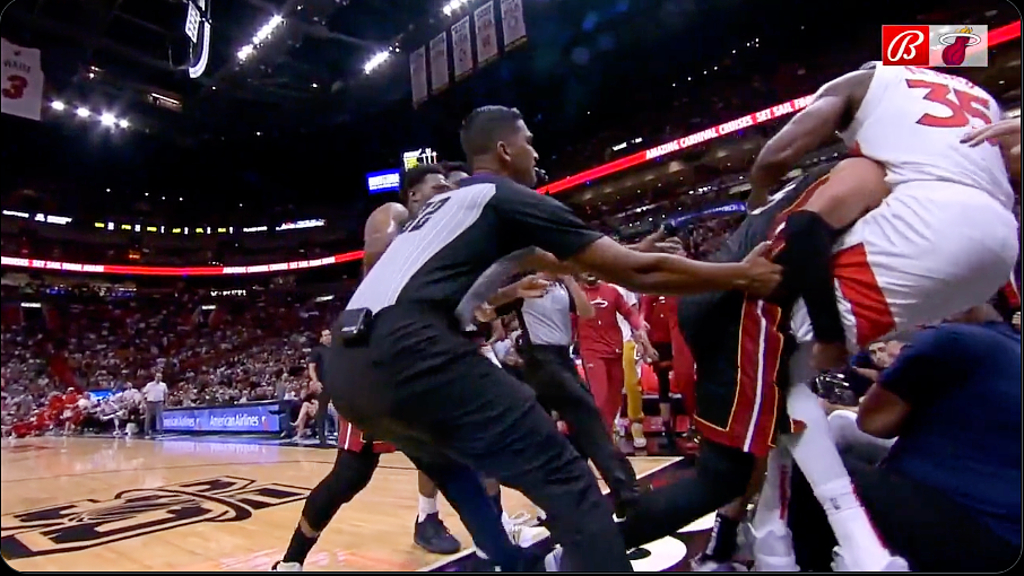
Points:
x=317, y=360
x=548, y=367
x=947, y=497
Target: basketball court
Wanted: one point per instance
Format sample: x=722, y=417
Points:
x=211, y=503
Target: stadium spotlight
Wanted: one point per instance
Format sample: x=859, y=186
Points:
x=452, y=6
x=57, y=105
x=261, y=35
x=108, y=120
x=82, y=112
x=123, y=123
x=375, y=62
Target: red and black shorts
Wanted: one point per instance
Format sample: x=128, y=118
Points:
x=742, y=353
x=353, y=439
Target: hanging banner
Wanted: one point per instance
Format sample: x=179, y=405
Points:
x=486, y=41
x=439, y=63
x=21, y=83
x=513, y=27
x=462, y=49
x=418, y=72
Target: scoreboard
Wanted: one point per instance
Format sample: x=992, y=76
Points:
x=418, y=157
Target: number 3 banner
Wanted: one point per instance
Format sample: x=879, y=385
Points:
x=21, y=85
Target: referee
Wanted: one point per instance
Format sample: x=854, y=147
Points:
x=315, y=368
x=546, y=322
x=401, y=369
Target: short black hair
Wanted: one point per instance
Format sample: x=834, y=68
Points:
x=414, y=177
x=450, y=167
x=485, y=127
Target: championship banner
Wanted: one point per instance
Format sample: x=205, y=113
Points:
x=439, y=63
x=418, y=72
x=462, y=49
x=486, y=41
x=21, y=85
x=513, y=27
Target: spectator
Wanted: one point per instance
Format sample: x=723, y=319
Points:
x=155, y=393
x=947, y=497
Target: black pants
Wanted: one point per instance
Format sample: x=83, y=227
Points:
x=663, y=370
x=424, y=386
x=930, y=530
x=351, y=473
x=723, y=475
x=552, y=374
x=320, y=420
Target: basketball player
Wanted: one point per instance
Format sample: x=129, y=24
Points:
x=943, y=241
x=900, y=265
x=358, y=456
x=402, y=370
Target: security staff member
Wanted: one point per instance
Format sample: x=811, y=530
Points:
x=402, y=370
x=546, y=323
x=315, y=367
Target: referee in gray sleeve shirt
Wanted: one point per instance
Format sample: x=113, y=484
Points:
x=544, y=306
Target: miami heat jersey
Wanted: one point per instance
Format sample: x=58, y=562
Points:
x=912, y=120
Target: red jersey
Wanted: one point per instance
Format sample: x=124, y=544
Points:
x=660, y=313
x=601, y=336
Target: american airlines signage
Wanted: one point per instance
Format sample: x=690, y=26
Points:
x=383, y=181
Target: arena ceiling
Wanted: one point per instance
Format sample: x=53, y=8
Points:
x=309, y=72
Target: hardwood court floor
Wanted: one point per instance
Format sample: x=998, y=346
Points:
x=98, y=504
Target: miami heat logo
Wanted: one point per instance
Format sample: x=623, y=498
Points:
x=85, y=524
x=955, y=51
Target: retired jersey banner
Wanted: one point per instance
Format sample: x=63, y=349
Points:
x=21, y=85
x=513, y=27
x=486, y=38
x=418, y=72
x=462, y=49
x=439, y=63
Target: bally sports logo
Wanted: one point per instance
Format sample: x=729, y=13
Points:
x=935, y=46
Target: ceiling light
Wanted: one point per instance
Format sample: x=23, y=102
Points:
x=57, y=105
x=261, y=35
x=375, y=62
x=108, y=120
x=123, y=123
x=452, y=6
x=82, y=112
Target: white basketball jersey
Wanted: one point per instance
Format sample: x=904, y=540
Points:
x=912, y=121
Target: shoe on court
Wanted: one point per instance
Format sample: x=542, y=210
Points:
x=704, y=563
x=433, y=536
x=553, y=561
x=521, y=531
x=282, y=566
x=841, y=563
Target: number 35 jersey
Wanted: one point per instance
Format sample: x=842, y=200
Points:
x=912, y=120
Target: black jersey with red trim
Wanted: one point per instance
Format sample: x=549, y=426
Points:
x=741, y=345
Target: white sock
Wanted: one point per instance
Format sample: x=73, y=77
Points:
x=818, y=458
x=428, y=506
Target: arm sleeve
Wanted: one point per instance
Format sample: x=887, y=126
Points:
x=923, y=367
x=628, y=311
x=528, y=218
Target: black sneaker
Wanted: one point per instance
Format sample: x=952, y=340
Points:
x=433, y=536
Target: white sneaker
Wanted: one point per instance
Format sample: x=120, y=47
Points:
x=639, y=440
x=773, y=550
x=521, y=530
x=840, y=563
x=286, y=567
x=553, y=561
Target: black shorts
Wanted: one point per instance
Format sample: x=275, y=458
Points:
x=741, y=348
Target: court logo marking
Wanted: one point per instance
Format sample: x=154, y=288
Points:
x=90, y=523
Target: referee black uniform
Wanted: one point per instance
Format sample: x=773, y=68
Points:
x=549, y=368
x=420, y=382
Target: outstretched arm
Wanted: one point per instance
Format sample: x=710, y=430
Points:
x=831, y=111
